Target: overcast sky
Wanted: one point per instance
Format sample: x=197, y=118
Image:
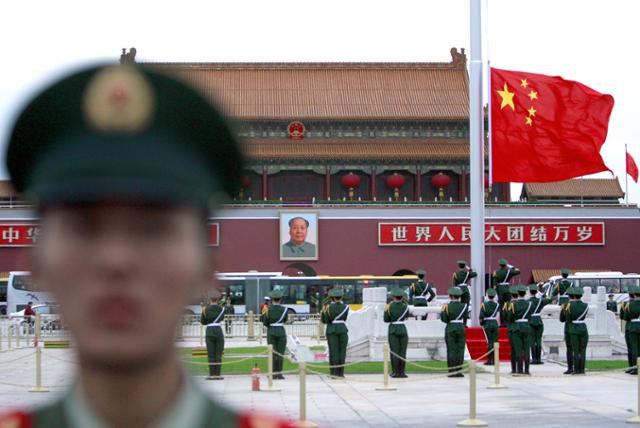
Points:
x=594, y=42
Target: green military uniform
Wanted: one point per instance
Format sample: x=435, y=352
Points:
x=489, y=322
x=536, y=324
x=462, y=279
x=500, y=281
x=505, y=317
x=567, y=337
x=334, y=315
x=519, y=313
x=561, y=287
x=212, y=317
x=395, y=313
x=229, y=312
x=455, y=314
x=274, y=317
x=630, y=313
x=612, y=305
x=419, y=290
x=125, y=135
x=576, y=314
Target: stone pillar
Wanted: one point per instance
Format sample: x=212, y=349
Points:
x=601, y=310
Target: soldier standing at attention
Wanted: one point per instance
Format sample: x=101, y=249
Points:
x=520, y=313
x=612, y=305
x=508, y=320
x=489, y=322
x=212, y=316
x=631, y=314
x=577, y=313
x=536, y=323
x=274, y=317
x=395, y=313
x=124, y=166
x=462, y=279
x=627, y=339
x=454, y=314
x=334, y=315
x=500, y=281
x=564, y=317
x=419, y=290
x=560, y=290
x=229, y=312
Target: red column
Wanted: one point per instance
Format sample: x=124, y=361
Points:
x=418, y=185
x=265, y=188
x=372, y=186
x=462, y=188
x=327, y=185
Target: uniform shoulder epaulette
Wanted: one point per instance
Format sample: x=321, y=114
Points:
x=445, y=308
x=16, y=420
x=482, y=306
x=386, y=307
x=260, y=420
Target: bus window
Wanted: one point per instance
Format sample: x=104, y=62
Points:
x=236, y=294
x=612, y=285
x=23, y=283
x=3, y=290
x=629, y=282
x=588, y=282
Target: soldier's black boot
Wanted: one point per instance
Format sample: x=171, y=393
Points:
x=402, y=368
x=394, y=369
x=519, y=366
x=569, y=365
x=527, y=363
x=513, y=365
x=539, y=356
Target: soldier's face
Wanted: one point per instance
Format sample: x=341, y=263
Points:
x=122, y=275
x=298, y=231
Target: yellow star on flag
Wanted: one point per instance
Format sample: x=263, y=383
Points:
x=529, y=121
x=507, y=98
x=532, y=111
x=533, y=95
x=524, y=83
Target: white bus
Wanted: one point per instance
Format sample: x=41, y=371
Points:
x=615, y=283
x=20, y=291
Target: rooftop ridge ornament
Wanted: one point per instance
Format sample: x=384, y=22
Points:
x=128, y=57
x=458, y=59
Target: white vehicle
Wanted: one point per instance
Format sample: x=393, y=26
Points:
x=44, y=309
x=21, y=290
x=615, y=283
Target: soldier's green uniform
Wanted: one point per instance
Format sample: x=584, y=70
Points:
x=536, y=324
x=212, y=317
x=274, y=317
x=132, y=140
x=505, y=316
x=630, y=312
x=612, y=305
x=519, y=313
x=576, y=313
x=561, y=287
x=334, y=315
x=462, y=279
x=229, y=312
x=500, y=281
x=455, y=314
x=395, y=313
x=567, y=337
x=489, y=322
x=420, y=292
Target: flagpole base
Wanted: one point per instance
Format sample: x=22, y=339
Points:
x=271, y=390
x=634, y=420
x=386, y=388
x=40, y=389
x=472, y=423
x=497, y=386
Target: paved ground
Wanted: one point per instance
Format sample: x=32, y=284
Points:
x=547, y=399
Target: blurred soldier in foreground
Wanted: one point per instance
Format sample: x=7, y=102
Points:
x=212, y=316
x=500, y=281
x=123, y=165
x=631, y=314
x=273, y=317
x=536, y=323
x=454, y=314
x=627, y=326
x=334, y=315
x=489, y=322
x=395, y=313
x=519, y=314
x=576, y=314
x=567, y=336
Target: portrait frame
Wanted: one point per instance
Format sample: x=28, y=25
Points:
x=285, y=241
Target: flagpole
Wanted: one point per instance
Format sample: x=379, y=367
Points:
x=476, y=141
x=626, y=176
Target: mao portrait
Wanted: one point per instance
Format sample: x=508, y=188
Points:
x=298, y=236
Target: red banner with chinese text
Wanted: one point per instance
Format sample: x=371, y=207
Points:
x=26, y=234
x=516, y=233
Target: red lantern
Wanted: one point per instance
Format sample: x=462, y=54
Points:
x=395, y=182
x=440, y=181
x=245, y=181
x=350, y=181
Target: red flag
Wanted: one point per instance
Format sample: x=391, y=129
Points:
x=545, y=128
x=632, y=168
